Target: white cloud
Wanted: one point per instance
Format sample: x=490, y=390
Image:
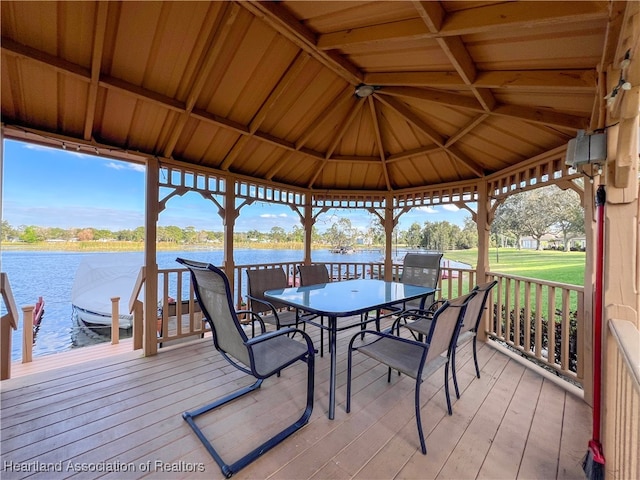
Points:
x=268, y=215
x=450, y=207
x=427, y=209
x=126, y=166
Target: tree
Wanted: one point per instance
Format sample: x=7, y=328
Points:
x=413, y=236
x=278, y=234
x=31, y=234
x=569, y=215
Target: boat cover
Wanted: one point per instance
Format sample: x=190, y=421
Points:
x=102, y=276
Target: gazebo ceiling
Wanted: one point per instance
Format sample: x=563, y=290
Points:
x=459, y=89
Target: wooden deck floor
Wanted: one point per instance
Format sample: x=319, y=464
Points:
x=123, y=412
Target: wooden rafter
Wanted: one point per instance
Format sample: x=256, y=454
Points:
x=96, y=61
x=378, y=135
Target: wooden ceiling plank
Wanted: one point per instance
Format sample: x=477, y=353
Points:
x=332, y=108
x=343, y=128
x=288, y=26
x=412, y=118
x=96, y=62
x=289, y=76
x=546, y=117
x=225, y=20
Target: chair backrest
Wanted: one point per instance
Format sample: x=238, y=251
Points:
x=313, y=274
x=214, y=296
x=446, y=325
x=421, y=269
x=262, y=280
x=476, y=307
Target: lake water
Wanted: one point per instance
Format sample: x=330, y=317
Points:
x=51, y=274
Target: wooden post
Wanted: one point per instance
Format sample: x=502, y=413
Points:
x=483, y=223
x=229, y=221
x=388, y=238
x=115, y=320
x=27, y=333
x=150, y=344
x=307, y=223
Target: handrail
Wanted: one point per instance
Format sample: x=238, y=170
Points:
x=620, y=400
x=7, y=323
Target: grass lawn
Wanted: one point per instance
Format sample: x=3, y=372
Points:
x=555, y=266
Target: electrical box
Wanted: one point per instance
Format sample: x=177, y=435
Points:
x=586, y=149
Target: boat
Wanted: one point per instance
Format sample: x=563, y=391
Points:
x=98, y=279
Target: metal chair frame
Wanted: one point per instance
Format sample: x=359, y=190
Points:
x=412, y=357
x=245, y=354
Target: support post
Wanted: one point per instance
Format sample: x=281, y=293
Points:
x=229, y=222
x=115, y=320
x=483, y=223
x=150, y=344
x=27, y=333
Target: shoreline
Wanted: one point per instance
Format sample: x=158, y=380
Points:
x=139, y=246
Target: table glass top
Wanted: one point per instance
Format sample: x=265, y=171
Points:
x=349, y=297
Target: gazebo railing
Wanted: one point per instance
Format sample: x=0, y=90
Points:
x=540, y=320
x=519, y=309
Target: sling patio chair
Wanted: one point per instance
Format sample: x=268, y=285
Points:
x=418, y=269
x=261, y=280
x=314, y=275
x=261, y=356
x=468, y=329
x=416, y=359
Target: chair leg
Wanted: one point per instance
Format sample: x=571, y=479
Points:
x=453, y=372
x=446, y=387
x=423, y=445
x=229, y=469
x=475, y=357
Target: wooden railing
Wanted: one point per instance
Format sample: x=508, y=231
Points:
x=540, y=320
x=8, y=322
x=621, y=401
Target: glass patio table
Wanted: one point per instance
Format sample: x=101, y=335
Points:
x=336, y=300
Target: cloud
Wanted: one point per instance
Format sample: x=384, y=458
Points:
x=450, y=207
x=126, y=166
x=268, y=215
x=427, y=209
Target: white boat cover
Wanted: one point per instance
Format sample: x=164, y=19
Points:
x=102, y=276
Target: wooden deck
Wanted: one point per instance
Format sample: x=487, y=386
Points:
x=123, y=412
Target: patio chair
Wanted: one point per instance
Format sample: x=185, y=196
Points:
x=261, y=357
x=313, y=275
x=418, y=269
x=421, y=269
x=416, y=359
x=273, y=313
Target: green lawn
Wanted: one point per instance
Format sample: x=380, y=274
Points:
x=562, y=267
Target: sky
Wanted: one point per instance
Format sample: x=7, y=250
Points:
x=59, y=188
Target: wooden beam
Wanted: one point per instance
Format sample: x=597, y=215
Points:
x=456, y=153
x=437, y=96
x=376, y=129
x=329, y=112
x=434, y=23
x=580, y=80
x=404, y=111
x=543, y=116
x=96, y=61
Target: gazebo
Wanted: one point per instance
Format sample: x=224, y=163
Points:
x=383, y=106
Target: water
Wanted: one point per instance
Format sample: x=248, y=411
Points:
x=51, y=274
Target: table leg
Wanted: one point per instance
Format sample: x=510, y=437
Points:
x=332, y=375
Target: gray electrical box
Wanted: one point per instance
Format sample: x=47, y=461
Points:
x=587, y=149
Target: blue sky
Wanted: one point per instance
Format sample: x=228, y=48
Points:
x=59, y=188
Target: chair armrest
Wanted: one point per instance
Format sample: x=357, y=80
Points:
x=255, y=318
x=380, y=335
x=277, y=333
